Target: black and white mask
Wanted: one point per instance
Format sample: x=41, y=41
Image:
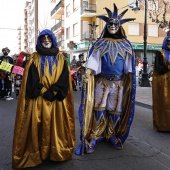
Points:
x=46, y=41
x=113, y=25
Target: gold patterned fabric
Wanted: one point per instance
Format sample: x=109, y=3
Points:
x=43, y=129
x=161, y=99
x=121, y=129
x=113, y=48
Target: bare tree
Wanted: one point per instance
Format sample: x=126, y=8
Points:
x=159, y=12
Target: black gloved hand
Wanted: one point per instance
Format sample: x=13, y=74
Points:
x=49, y=95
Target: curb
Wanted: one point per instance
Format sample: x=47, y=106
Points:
x=143, y=105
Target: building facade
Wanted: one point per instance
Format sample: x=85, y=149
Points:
x=79, y=15
x=73, y=21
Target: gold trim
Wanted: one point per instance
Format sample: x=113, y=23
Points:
x=105, y=45
x=99, y=108
x=115, y=113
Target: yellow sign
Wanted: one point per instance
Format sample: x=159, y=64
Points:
x=6, y=66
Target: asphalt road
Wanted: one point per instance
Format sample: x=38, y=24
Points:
x=145, y=149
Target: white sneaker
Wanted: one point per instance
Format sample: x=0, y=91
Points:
x=9, y=98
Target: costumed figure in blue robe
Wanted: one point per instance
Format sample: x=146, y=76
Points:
x=108, y=101
x=161, y=88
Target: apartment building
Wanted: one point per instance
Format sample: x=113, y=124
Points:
x=74, y=20
x=36, y=18
x=57, y=14
x=26, y=32
x=73, y=23
x=19, y=38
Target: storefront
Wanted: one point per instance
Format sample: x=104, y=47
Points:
x=151, y=48
x=84, y=47
x=78, y=48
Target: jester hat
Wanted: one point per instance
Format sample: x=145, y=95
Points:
x=114, y=15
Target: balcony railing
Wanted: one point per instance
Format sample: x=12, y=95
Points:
x=88, y=8
x=86, y=37
x=59, y=5
x=57, y=26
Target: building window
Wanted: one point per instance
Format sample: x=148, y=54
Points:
x=133, y=29
x=68, y=33
x=152, y=30
x=68, y=11
x=75, y=5
x=75, y=29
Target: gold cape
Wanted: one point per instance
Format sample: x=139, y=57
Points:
x=161, y=100
x=43, y=129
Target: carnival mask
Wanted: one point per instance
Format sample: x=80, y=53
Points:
x=113, y=25
x=114, y=21
x=46, y=41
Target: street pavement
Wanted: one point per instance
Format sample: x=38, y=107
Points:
x=144, y=149
x=144, y=96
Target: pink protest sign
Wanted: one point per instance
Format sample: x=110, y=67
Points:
x=72, y=72
x=18, y=70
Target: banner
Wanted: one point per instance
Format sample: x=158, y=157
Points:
x=18, y=70
x=6, y=66
x=11, y=68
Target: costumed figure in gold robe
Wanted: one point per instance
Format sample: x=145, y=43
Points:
x=161, y=88
x=44, y=125
x=107, y=107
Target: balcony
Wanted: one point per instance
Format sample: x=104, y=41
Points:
x=86, y=37
x=58, y=28
x=58, y=10
x=88, y=10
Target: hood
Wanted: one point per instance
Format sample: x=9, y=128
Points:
x=164, y=45
x=50, y=33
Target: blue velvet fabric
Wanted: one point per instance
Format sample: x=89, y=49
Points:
x=99, y=113
x=109, y=69
x=51, y=34
x=165, y=48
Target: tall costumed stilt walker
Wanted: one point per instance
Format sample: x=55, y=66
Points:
x=107, y=108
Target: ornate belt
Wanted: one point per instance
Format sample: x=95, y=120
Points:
x=110, y=78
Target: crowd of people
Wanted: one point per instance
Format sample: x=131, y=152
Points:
x=78, y=67
x=45, y=121
x=7, y=78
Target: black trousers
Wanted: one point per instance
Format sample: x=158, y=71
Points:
x=5, y=87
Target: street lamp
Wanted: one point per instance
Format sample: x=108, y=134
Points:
x=145, y=79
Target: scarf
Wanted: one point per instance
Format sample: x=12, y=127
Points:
x=50, y=55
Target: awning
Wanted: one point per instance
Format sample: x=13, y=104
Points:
x=149, y=47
